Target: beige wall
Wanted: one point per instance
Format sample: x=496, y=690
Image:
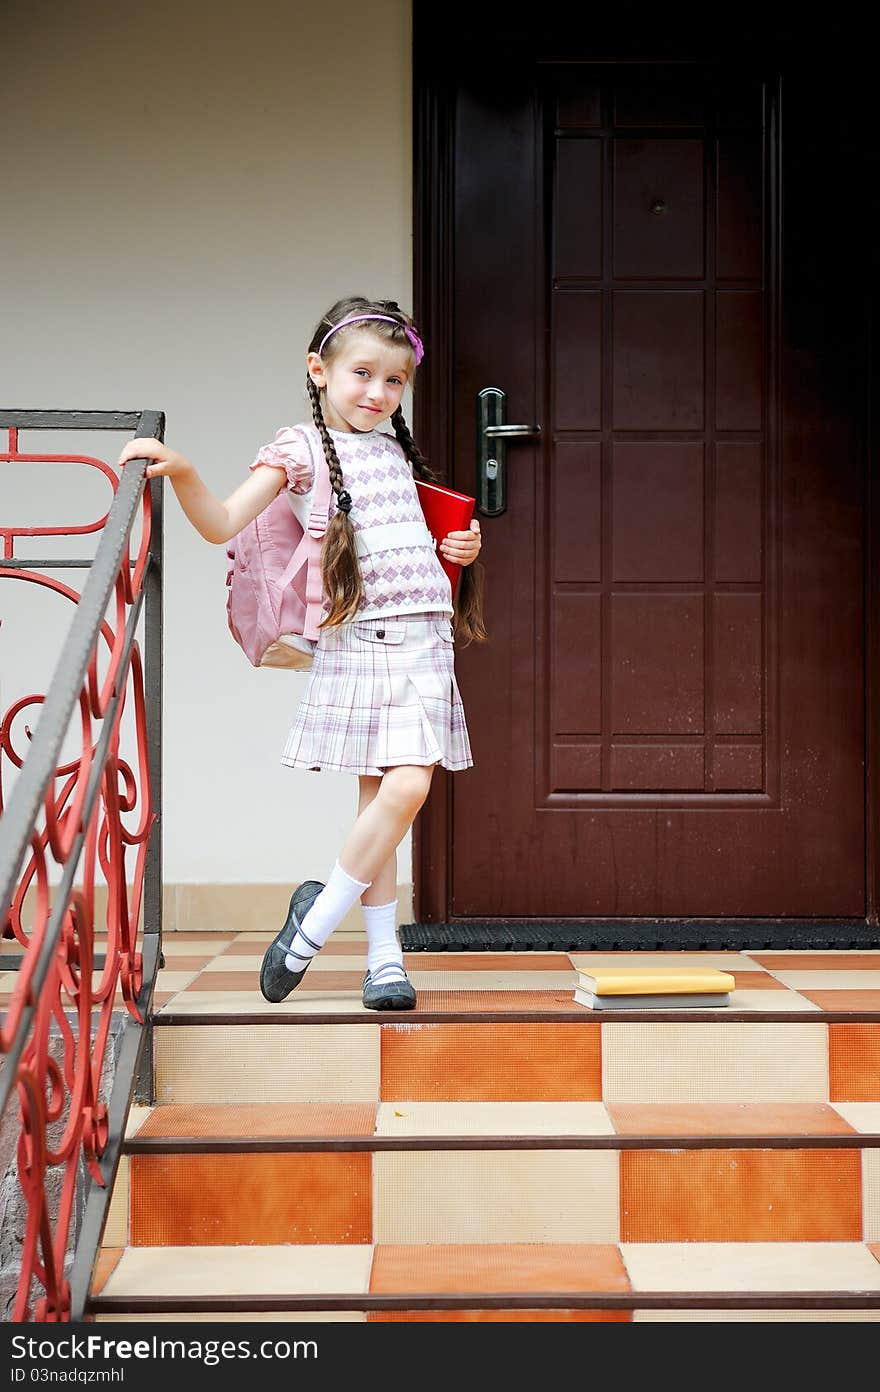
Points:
x=186, y=186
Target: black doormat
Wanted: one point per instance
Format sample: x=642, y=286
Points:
x=636, y=934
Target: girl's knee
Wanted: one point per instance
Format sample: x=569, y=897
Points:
x=408, y=785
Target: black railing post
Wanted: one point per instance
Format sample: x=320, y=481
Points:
x=145, y=1091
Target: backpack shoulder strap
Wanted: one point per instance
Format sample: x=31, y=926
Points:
x=308, y=552
x=318, y=519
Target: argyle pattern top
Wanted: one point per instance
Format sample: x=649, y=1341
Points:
x=377, y=474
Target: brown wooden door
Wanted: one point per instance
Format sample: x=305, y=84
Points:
x=668, y=719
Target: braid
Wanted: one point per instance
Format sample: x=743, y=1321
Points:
x=340, y=568
x=333, y=464
x=410, y=448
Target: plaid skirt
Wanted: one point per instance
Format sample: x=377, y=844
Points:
x=381, y=692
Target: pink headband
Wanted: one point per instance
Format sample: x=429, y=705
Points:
x=417, y=345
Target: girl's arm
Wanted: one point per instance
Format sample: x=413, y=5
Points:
x=215, y=520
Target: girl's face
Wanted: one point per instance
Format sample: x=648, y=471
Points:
x=362, y=381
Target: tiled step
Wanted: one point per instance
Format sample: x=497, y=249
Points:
x=509, y=1281
x=586, y=1206
x=501, y=1153
x=498, y=1172
x=374, y=1058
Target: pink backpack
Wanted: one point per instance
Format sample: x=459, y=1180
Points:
x=274, y=604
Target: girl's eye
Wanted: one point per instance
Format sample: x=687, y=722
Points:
x=395, y=382
x=360, y=372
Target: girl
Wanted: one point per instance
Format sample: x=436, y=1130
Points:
x=382, y=700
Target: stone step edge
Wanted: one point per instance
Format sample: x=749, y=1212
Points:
x=495, y=1300
x=219, y=1145
x=721, y=1016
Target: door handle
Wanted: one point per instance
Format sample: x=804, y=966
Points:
x=508, y=431
x=492, y=434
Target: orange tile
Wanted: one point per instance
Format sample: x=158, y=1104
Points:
x=497, y=1267
x=727, y=1119
x=500, y=1316
x=108, y=1258
x=755, y=981
x=489, y=1001
x=854, y=1063
x=874, y=1249
x=488, y=961
x=740, y=1196
x=817, y=961
x=256, y=1120
x=215, y=1200
x=221, y=981
x=491, y=1062
x=844, y=999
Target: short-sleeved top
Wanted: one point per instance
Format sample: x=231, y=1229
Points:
x=399, y=564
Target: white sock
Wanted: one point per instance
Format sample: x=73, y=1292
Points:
x=384, y=956
x=339, y=894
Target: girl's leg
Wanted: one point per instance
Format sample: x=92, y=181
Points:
x=384, y=885
x=370, y=845
x=379, y=905
x=385, y=820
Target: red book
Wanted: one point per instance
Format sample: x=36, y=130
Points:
x=445, y=511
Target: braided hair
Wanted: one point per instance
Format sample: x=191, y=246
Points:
x=340, y=565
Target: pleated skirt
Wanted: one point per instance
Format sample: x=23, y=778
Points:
x=381, y=692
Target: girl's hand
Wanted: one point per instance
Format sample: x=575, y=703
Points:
x=462, y=548
x=165, y=460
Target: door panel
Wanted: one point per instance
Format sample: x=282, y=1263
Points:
x=668, y=718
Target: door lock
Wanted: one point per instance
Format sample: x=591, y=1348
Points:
x=492, y=436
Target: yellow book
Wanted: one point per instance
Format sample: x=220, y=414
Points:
x=655, y=981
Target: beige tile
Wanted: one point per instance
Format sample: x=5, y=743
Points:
x=728, y=1061
x=210, y=1271
x=174, y=946
x=723, y=961
x=267, y=1063
x=137, y=1115
x=871, y=1195
x=170, y=980
x=771, y=1001
x=492, y=981
x=252, y=1003
x=240, y=908
x=864, y=1116
x=356, y=937
x=493, y=1119
x=243, y=1317
x=752, y=1316
x=742, y=1266
x=828, y=980
x=116, y=1227
x=496, y=1196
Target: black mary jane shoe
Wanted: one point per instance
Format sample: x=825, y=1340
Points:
x=276, y=981
x=394, y=995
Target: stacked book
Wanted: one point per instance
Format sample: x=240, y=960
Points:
x=653, y=988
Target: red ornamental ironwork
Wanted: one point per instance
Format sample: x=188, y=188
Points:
x=63, y=1118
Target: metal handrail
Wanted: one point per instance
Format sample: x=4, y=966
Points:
x=74, y=683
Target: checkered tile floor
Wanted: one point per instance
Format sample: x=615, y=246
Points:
x=217, y=973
